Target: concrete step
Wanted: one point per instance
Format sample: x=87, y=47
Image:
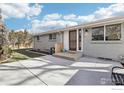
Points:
x=72, y=52
x=65, y=57
x=69, y=56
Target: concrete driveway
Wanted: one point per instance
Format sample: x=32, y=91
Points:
x=49, y=70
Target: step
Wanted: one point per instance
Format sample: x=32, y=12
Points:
x=68, y=56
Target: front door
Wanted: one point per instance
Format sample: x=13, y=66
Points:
x=72, y=40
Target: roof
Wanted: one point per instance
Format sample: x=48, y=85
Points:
x=49, y=32
x=118, y=19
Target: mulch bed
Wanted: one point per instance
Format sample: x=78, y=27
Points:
x=39, y=51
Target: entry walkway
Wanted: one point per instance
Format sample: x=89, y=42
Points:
x=49, y=70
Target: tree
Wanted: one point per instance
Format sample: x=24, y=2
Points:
x=20, y=38
x=12, y=38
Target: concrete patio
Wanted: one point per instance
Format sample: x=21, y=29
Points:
x=49, y=70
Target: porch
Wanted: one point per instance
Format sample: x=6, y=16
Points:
x=72, y=44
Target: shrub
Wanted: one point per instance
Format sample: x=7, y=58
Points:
x=7, y=50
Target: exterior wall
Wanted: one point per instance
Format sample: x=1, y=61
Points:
x=66, y=40
x=45, y=43
x=105, y=49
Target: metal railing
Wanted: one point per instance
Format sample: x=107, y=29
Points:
x=117, y=77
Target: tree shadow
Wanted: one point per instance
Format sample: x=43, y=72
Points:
x=45, y=69
x=85, y=77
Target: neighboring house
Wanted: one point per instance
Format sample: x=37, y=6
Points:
x=103, y=38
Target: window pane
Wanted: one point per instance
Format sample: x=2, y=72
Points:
x=53, y=36
x=79, y=36
x=38, y=38
x=50, y=36
x=98, y=33
x=113, y=32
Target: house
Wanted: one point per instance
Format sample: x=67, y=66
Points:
x=102, y=38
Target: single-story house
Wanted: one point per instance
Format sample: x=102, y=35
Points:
x=102, y=38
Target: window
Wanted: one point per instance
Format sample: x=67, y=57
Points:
x=38, y=38
x=113, y=32
x=79, y=36
x=98, y=33
x=107, y=33
x=52, y=36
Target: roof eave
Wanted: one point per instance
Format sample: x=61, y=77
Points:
x=87, y=25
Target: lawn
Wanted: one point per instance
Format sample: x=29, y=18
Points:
x=22, y=54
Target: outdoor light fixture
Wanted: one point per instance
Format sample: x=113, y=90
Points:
x=86, y=30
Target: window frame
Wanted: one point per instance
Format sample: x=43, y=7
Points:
x=79, y=39
x=107, y=41
x=38, y=38
x=120, y=31
x=52, y=36
x=92, y=33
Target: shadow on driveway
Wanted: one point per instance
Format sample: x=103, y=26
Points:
x=78, y=76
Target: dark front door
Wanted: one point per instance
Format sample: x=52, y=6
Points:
x=72, y=40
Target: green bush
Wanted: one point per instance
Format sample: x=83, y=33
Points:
x=7, y=50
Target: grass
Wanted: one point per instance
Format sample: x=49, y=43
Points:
x=18, y=56
x=27, y=53
x=22, y=54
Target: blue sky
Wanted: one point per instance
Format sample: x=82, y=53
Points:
x=43, y=17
